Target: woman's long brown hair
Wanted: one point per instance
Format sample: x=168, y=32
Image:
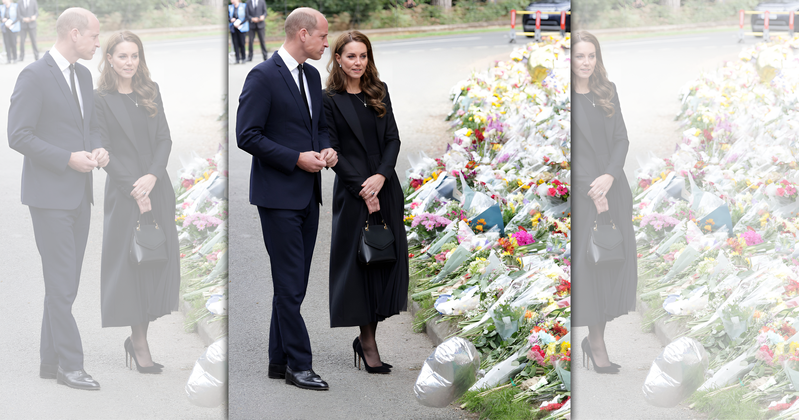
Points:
x=371, y=85
x=598, y=82
x=142, y=85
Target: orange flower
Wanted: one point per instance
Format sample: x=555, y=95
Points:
x=528, y=314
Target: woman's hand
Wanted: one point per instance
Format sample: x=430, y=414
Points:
x=373, y=204
x=372, y=186
x=600, y=186
x=144, y=205
x=601, y=204
x=143, y=186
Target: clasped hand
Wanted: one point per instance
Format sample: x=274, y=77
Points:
x=316, y=161
x=599, y=190
x=371, y=187
x=84, y=161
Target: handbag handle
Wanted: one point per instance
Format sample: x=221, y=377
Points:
x=383, y=220
x=611, y=222
x=138, y=221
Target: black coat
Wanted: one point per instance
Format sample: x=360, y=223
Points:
x=358, y=294
x=132, y=295
x=600, y=294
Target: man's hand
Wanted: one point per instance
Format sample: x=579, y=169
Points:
x=143, y=186
x=601, y=204
x=372, y=186
x=311, y=162
x=101, y=156
x=330, y=156
x=373, y=204
x=144, y=205
x=82, y=161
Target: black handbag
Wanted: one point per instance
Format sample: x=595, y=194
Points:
x=606, y=248
x=148, y=247
x=376, y=245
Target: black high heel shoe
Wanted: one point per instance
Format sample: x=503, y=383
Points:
x=355, y=343
x=154, y=362
x=130, y=357
x=585, y=343
x=359, y=355
x=588, y=355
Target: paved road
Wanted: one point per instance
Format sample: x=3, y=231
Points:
x=648, y=73
x=192, y=91
x=419, y=74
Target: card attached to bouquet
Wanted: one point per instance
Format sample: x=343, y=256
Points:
x=718, y=218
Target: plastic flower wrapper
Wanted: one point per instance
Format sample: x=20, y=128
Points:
x=562, y=368
x=207, y=384
x=506, y=319
x=686, y=258
x=447, y=373
x=449, y=236
x=449, y=305
x=769, y=63
x=454, y=261
x=791, y=366
x=540, y=63
x=503, y=371
x=676, y=373
x=728, y=374
x=736, y=320
x=696, y=300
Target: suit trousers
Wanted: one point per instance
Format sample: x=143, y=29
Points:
x=61, y=237
x=10, y=40
x=289, y=236
x=22, y=33
x=261, y=36
x=238, y=44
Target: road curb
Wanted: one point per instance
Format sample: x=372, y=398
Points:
x=208, y=332
x=660, y=28
x=665, y=332
x=437, y=329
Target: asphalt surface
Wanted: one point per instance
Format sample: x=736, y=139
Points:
x=419, y=73
x=192, y=91
x=648, y=73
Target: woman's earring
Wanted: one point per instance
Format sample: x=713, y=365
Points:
x=112, y=66
x=339, y=64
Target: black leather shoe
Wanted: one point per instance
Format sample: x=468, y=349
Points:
x=305, y=379
x=47, y=371
x=78, y=379
x=277, y=371
x=249, y=59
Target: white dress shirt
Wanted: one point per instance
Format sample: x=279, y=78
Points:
x=291, y=63
x=63, y=65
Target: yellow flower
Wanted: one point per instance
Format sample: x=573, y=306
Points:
x=469, y=131
x=435, y=175
x=565, y=346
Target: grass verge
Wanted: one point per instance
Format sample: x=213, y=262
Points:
x=499, y=405
x=726, y=404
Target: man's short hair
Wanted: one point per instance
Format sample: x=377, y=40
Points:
x=300, y=18
x=74, y=17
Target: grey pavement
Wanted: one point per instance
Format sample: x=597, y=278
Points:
x=419, y=73
x=648, y=73
x=190, y=73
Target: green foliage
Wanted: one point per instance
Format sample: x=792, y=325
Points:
x=500, y=405
x=728, y=404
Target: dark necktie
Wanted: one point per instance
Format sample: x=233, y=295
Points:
x=72, y=86
x=302, y=92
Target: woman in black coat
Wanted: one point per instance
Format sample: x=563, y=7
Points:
x=134, y=130
x=602, y=193
x=364, y=134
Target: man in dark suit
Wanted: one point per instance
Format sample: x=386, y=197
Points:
x=50, y=121
x=256, y=9
x=280, y=121
x=28, y=12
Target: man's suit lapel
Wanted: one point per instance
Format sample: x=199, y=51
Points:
x=114, y=102
x=344, y=105
x=65, y=90
x=294, y=89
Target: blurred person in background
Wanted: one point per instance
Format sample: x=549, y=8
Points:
x=256, y=10
x=134, y=130
x=9, y=16
x=239, y=25
x=28, y=12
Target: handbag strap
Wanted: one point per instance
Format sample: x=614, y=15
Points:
x=383, y=220
x=138, y=220
x=595, y=222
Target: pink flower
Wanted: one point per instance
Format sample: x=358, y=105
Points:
x=780, y=191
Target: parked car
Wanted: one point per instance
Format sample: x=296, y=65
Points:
x=550, y=15
x=775, y=22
